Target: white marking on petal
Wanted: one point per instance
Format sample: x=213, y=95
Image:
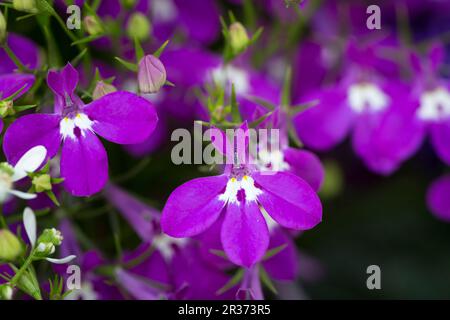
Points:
x=61, y=261
x=23, y=195
x=367, y=96
x=227, y=75
x=5, y=186
x=80, y=121
x=29, y=221
x=271, y=224
x=272, y=161
x=165, y=245
x=434, y=105
x=29, y=162
x=233, y=186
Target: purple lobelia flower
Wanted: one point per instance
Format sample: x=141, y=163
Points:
x=119, y=117
x=240, y=193
x=431, y=96
x=377, y=110
x=438, y=198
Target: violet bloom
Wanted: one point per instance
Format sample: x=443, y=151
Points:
x=239, y=193
x=377, y=110
x=432, y=100
x=438, y=198
x=119, y=117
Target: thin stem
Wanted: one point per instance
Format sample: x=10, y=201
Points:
x=22, y=269
x=15, y=59
x=3, y=224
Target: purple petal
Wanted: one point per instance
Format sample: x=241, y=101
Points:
x=63, y=82
x=200, y=19
x=283, y=265
x=137, y=286
x=84, y=165
x=12, y=83
x=24, y=49
x=30, y=131
x=289, y=200
x=122, y=117
x=323, y=126
x=438, y=198
x=306, y=165
x=440, y=138
x=193, y=207
x=244, y=234
x=139, y=215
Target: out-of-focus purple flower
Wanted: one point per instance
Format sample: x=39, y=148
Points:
x=438, y=198
x=140, y=216
x=194, y=206
x=379, y=111
x=120, y=117
x=151, y=74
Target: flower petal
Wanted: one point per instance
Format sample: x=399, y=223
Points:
x=30, y=162
x=289, y=200
x=244, y=234
x=12, y=83
x=63, y=82
x=438, y=198
x=23, y=195
x=193, y=207
x=122, y=117
x=440, y=138
x=139, y=215
x=61, y=261
x=323, y=126
x=29, y=221
x=84, y=165
x=30, y=131
x=24, y=49
x=306, y=165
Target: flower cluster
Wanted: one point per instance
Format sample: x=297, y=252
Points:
x=277, y=89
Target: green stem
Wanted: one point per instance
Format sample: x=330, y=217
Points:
x=15, y=59
x=3, y=224
x=22, y=269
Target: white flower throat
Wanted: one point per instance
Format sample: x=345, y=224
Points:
x=272, y=161
x=68, y=125
x=434, y=105
x=367, y=96
x=236, y=189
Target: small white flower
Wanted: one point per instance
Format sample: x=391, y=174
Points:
x=29, y=221
x=30, y=162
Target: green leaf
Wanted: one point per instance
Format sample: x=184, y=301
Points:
x=273, y=252
x=256, y=35
x=266, y=280
x=138, y=50
x=23, y=108
x=233, y=281
x=235, y=115
x=161, y=49
x=44, y=7
x=129, y=65
x=286, y=93
x=52, y=197
x=86, y=39
x=219, y=253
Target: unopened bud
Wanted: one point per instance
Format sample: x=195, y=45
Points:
x=238, y=37
x=25, y=5
x=6, y=292
x=2, y=28
x=151, y=74
x=139, y=27
x=42, y=183
x=10, y=247
x=6, y=108
x=50, y=236
x=102, y=89
x=92, y=25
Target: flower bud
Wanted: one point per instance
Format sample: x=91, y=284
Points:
x=102, y=89
x=238, y=37
x=151, y=74
x=10, y=247
x=42, y=183
x=138, y=27
x=25, y=5
x=50, y=236
x=6, y=108
x=6, y=292
x=2, y=28
x=45, y=249
x=92, y=25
